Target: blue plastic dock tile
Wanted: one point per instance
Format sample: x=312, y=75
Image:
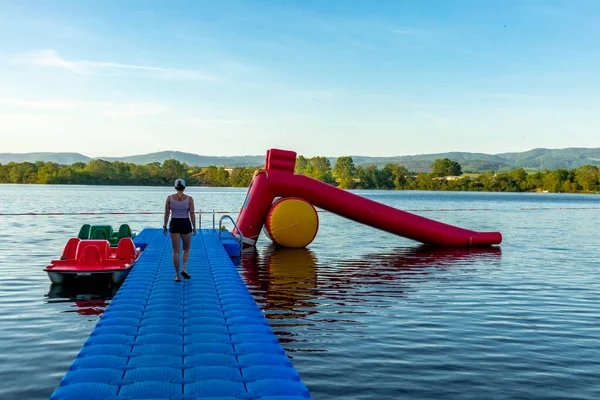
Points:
x=203, y=338
x=150, y=390
x=171, y=329
x=160, y=338
x=96, y=361
x=207, y=338
x=220, y=329
x=88, y=391
x=163, y=307
x=269, y=372
x=254, y=347
x=101, y=375
x=104, y=349
x=163, y=314
x=165, y=374
x=247, y=320
x=113, y=330
x=197, y=348
x=252, y=337
x=162, y=348
x=214, y=387
x=118, y=321
x=162, y=321
x=210, y=359
x=155, y=360
x=212, y=372
x=234, y=329
x=243, y=313
x=265, y=359
x=278, y=387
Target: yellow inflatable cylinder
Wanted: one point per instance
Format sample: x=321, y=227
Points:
x=292, y=222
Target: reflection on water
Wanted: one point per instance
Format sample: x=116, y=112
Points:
x=284, y=278
x=295, y=290
x=399, y=323
x=89, y=297
x=399, y=272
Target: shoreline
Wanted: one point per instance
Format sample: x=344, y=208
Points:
x=539, y=191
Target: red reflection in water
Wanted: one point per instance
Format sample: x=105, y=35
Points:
x=291, y=282
x=88, y=297
x=90, y=307
x=299, y=293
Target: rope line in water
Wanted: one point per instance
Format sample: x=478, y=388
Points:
x=108, y=213
x=321, y=211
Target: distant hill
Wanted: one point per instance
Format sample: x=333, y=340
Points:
x=191, y=159
x=59, y=158
x=550, y=159
x=422, y=162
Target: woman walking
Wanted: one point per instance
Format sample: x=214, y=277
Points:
x=182, y=226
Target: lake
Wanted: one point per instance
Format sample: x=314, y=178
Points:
x=362, y=314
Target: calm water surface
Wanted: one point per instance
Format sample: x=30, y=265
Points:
x=361, y=313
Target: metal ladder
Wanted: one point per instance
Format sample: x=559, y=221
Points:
x=239, y=237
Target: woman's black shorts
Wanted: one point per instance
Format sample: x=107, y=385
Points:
x=182, y=226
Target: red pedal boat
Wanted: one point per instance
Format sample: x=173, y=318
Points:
x=93, y=258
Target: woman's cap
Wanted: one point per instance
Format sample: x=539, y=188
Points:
x=179, y=183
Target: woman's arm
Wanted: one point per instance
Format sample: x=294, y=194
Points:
x=167, y=212
x=192, y=214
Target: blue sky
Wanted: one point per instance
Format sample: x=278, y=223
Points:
x=333, y=78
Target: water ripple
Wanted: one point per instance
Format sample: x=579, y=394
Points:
x=362, y=314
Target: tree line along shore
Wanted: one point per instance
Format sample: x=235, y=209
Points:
x=445, y=174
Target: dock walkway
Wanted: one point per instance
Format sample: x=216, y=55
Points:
x=202, y=338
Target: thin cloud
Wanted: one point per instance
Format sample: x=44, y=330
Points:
x=51, y=58
x=134, y=110
x=107, y=110
x=514, y=96
x=410, y=32
x=204, y=121
x=42, y=105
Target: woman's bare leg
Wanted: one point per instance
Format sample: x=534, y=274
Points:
x=175, y=237
x=187, y=241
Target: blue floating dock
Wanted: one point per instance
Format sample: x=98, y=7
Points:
x=202, y=338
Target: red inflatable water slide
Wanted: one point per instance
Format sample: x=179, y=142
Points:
x=278, y=180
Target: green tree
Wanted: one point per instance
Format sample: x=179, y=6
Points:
x=4, y=171
x=535, y=181
x=519, y=177
x=99, y=171
x=319, y=168
x=173, y=169
x=366, y=177
x=215, y=176
x=241, y=177
x=122, y=172
x=47, y=173
x=587, y=177
x=345, y=171
x=554, y=180
x=301, y=164
x=384, y=179
x=65, y=175
x=399, y=176
x=24, y=172
x=426, y=182
x=155, y=174
x=446, y=167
